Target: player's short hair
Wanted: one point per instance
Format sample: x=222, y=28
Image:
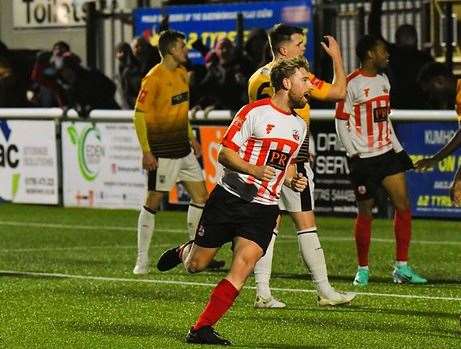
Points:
x=365, y=44
x=284, y=68
x=281, y=33
x=167, y=39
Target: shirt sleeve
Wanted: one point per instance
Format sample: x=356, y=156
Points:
x=146, y=94
x=344, y=107
x=321, y=88
x=239, y=131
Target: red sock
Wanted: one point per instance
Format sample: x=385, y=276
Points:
x=362, y=238
x=221, y=299
x=402, y=231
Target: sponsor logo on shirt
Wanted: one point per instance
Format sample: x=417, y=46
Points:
x=278, y=159
x=380, y=114
x=182, y=97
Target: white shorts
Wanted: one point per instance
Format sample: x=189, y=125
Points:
x=170, y=171
x=293, y=201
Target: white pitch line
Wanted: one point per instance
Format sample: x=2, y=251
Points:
x=181, y=231
x=14, y=273
x=76, y=248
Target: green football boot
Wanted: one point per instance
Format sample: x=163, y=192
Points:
x=403, y=274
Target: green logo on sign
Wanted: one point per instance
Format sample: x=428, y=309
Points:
x=90, y=151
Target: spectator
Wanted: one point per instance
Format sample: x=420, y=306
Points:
x=145, y=53
x=255, y=48
x=405, y=60
x=57, y=52
x=15, y=68
x=10, y=95
x=437, y=86
x=45, y=89
x=224, y=85
x=86, y=89
x=129, y=75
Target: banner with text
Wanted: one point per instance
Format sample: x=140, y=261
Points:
x=28, y=161
x=210, y=23
x=429, y=190
x=55, y=13
x=102, y=165
x=333, y=192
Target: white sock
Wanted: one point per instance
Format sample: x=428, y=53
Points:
x=146, y=225
x=362, y=267
x=263, y=270
x=401, y=263
x=313, y=257
x=194, y=213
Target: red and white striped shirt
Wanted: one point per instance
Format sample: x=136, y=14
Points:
x=367, y=108
x=262, y=135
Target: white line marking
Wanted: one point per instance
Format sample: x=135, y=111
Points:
x=76, y=248
x=14, y=273
x=288, y=238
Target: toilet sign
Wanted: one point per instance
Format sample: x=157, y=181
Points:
x=53, y=13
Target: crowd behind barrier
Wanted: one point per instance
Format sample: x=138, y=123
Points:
x=51, y=156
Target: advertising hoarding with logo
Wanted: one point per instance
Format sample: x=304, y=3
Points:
x=101, y=165
x=429, y=191
x=28, y=161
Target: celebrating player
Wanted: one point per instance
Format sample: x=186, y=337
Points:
x=256, y=159
x=288, y=42
x=376, y=157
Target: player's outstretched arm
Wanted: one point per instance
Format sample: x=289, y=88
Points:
x=455, y=188
x=338, y=86
x=231, y=160
x=450, y=147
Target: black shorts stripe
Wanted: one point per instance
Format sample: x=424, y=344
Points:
x=307, y=232
x=151, y=180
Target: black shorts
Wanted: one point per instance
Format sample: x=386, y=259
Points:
x=367, y=174
x=226, y=216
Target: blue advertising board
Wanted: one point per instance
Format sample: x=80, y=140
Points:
x=429, y=191
x=212, y=23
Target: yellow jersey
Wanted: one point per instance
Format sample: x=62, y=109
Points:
x=164, y=100
x=259, y=86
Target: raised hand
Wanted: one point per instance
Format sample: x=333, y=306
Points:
x=333, y=48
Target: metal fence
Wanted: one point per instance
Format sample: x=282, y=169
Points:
x=348, y=21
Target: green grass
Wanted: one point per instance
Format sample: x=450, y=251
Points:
x=122, y=311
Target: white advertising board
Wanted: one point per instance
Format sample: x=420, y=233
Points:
x=28, y=161
x=101, y=165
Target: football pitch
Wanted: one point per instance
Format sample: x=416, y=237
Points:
x=66, y=281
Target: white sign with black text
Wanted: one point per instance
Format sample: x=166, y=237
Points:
x=102, y=165
x=28, y=162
